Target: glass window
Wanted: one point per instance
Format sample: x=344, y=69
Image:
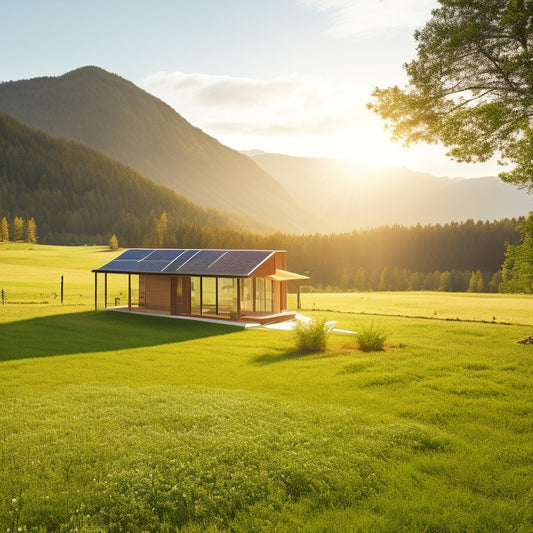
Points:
x=209, y=296
x=195, y=295
x=263, y=295
x=247, y=294
x=227, y=296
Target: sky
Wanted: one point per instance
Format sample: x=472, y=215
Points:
x=283, y=76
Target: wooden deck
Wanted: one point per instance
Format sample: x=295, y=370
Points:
x=246, y=317
x=268, y=318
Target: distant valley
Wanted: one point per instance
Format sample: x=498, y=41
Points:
x=348, y=195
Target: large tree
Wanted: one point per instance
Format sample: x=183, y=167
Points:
x=517, y=270
x=471, y=85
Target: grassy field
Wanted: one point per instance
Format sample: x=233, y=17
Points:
x=501, y=308
x=116, y=422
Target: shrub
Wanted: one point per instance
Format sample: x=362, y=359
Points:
x=371, y=339
x=311, y=336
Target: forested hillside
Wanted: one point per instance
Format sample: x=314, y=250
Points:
x=116, y=117
x=77, y=195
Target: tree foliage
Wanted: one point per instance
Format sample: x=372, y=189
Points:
x=113, y=242
x=31, y=231
x=517, y=271
x=471, y=85
x=18, y=229
x=4, y=230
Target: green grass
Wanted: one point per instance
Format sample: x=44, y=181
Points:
x=116, y=422
x=503, y=308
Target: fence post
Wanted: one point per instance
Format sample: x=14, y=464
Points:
x=61, y=289
x=3, y=296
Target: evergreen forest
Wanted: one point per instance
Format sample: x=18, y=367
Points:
x=79, y=196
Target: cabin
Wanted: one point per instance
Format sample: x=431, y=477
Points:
x=238, y=285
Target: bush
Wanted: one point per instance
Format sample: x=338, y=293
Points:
x=371, y=339
x=311, y=336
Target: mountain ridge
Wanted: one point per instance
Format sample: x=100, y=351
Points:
x=114, y=116
x=352, y=195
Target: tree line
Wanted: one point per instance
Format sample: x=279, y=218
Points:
x=21, y=230
x=465, y=256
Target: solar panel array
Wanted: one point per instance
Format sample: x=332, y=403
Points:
x=223, y=263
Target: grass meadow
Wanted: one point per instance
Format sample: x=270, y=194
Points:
x=117, y=422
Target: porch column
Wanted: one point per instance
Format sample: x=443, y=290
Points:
x=201, y=295
x=216, y=296
x=129, y=292
x=238, y=298
x=96, y=291
x=105, y=290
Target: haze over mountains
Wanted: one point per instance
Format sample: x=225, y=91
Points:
x=350, y=195
x=292, y=194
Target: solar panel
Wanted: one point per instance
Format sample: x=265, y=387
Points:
x=237, y=263
x=154, y=267
x=200, y=262
x=136, y=255
x=181, y=260
x=163, y=255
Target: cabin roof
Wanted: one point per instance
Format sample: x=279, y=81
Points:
x=188, y=262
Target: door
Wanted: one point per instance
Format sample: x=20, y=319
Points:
x=181, y=295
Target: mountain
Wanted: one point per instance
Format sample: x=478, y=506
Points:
x=116, y=117
x=78, y=195
x=350, y=195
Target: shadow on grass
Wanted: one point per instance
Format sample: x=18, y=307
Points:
x=270, y=358
x=99, y=331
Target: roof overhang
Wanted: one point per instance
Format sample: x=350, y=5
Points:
x=285, y=275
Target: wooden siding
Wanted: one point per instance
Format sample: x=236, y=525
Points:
x=156, y=292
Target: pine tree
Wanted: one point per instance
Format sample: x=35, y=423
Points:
x=113, y=242
x=476, y=282
x=161, y=228
x=494, y=283
x=31, y=231
x=480, y=285
x=445, y=282
x=4, y=230
x=18, y=229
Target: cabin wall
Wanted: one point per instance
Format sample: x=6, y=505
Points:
x=155, y=291
x=266, y=269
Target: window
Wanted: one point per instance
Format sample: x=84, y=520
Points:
x=196, y=295
x=227, y=296
x=209, y=296
x=263, y=295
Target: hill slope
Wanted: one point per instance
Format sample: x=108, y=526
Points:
x=116, y=117
x=350, y=195
x=78, y=195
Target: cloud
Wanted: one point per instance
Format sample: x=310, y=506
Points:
x=359, y=17
x=294, y=114
x=290, y=106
